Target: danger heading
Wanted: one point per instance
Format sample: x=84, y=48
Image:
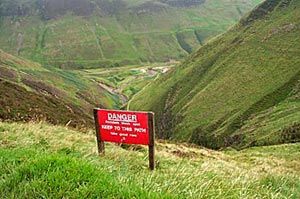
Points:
x=121, y=117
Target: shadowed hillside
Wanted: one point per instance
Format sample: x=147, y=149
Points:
x=31, y=92
x=101, y=33
x=241, y=89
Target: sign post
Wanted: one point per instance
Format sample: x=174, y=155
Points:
x=151, y=140
x=127, y=127
x=100, y=143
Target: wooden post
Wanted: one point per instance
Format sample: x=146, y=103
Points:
x=151, y=140
x=99, y=140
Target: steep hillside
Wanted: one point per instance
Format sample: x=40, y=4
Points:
x=241, y=89
x=43, y=161
x=102, y=33
x=30, y=91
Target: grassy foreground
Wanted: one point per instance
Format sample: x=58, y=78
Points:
x=43, y=161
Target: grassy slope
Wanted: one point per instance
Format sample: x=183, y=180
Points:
x=240, y=89
x=30, y=91
x=145, y=31
x=38, y=160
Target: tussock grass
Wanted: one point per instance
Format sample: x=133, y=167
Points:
x=39, y=160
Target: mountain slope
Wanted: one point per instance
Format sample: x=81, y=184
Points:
x=30, y=91
x=86, y=33
x=241, y=89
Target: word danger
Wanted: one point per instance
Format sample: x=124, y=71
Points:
x=122, y=117
x=127, y=129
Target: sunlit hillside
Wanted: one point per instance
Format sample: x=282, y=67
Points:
x=241, y=89
x=102, y=33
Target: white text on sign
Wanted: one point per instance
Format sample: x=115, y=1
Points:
x=121, y=117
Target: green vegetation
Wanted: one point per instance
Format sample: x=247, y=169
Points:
x=96, y=34
x=241, y=89
x=38, y=160
x=47, y=176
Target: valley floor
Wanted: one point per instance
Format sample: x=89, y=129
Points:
x=44, y=161
x=124, y=82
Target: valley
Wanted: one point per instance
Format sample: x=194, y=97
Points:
x=75, y=92
x=126, y=81
x=221, y=77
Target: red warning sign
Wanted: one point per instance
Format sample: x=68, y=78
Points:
x=127, y=127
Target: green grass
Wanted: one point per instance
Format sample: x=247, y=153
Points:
x=39, y=160
x=219, y=96
x=29, y=174
x=126, y=37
